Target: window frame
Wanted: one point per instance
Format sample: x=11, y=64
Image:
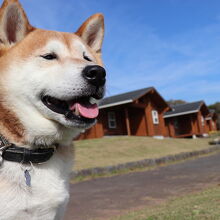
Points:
x=155, y=117
x=112, y=119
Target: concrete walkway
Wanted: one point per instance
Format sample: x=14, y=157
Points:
x=106, y=197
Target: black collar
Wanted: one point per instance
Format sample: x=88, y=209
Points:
x=11, y=152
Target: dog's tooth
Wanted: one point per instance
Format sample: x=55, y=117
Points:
x=93, y=101
x=76, y=111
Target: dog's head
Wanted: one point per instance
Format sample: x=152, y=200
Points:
x=48, y=75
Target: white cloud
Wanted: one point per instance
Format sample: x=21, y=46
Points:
x=171, y=65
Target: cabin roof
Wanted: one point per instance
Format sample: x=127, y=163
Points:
x=124, y=98
x=183, y=109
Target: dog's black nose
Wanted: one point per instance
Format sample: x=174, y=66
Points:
x=95, y=75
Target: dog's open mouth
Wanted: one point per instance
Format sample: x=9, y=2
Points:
x=80, y=110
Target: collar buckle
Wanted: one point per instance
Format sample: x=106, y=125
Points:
x=2, y=149
x=4, y=144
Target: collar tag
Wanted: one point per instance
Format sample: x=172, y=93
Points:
x=27, y=178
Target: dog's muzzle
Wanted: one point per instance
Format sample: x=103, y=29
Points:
x=83, y=108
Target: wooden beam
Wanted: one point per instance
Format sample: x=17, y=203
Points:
x=200, y=130
x=171, y=127
x=183, y=135
x=127, y=122
x=162, y=124
x=210, y=125
x=149, y=122
x=192, y=124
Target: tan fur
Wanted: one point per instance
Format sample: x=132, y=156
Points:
x=41, y=37
x=10, y=125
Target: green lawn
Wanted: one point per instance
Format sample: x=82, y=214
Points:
x=198, y=206
x=114, y=150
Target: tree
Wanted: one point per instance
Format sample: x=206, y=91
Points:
x=216, y=107
x=176, y=102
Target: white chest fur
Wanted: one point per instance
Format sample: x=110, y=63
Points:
x=47, y=196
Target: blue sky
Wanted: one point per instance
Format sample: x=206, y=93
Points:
x=173, y=45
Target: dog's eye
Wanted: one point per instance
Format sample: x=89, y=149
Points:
x=49, y=56
x=86, y=57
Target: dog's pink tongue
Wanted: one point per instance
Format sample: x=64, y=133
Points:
x=86, y=110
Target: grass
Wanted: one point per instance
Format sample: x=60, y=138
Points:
x=114, y=150
x=197, y=206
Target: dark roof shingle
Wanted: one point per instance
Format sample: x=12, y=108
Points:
x=184, y=108
x=133, y=95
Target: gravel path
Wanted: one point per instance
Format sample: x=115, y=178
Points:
x=106, y=197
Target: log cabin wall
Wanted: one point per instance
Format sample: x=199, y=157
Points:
x=137, y=122
x=153, y=103
x=182, y=126
x=95, y=132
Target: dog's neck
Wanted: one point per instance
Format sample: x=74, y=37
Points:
x=10, y=126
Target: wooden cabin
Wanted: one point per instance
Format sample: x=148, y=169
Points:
x=190, y=120
x=144, y=112
x=138, y=113
x=212, y=119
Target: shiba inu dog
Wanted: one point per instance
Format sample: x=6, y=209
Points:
x=49, y=86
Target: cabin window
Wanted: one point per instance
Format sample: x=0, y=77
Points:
x=202, y=121
x=155, y=117
x=112, y=120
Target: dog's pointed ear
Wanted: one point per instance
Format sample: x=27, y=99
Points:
x=92, y=32
x=14, y=25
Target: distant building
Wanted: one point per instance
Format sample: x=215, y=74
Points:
x=144, y=112
x=190, y=119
